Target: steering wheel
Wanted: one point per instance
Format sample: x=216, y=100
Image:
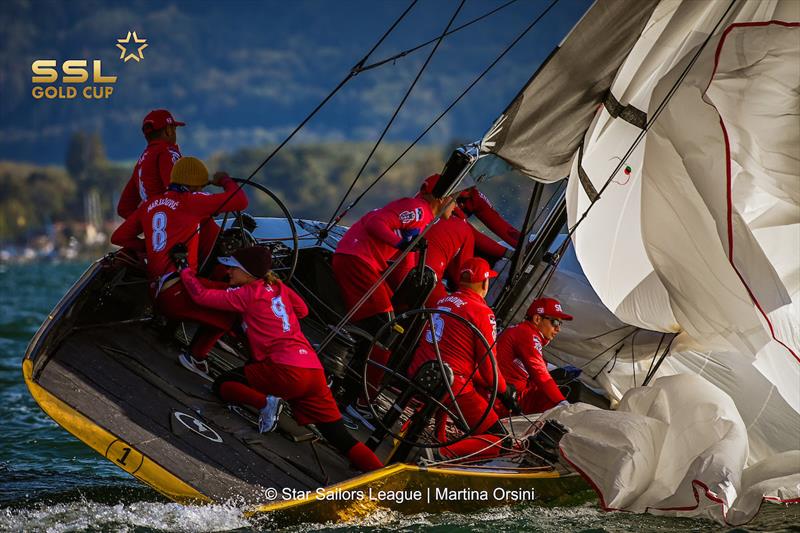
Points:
x=445, y=404
x=284, y=258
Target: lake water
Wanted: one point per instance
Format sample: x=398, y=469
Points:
x=49, y=481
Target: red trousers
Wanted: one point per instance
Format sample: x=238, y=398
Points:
x=174, y=303
x=306, y=390
x=472, y=405
x=355, y=277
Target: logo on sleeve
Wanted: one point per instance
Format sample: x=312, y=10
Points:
x=406, y=217
x=493, y=322
x=537, y=344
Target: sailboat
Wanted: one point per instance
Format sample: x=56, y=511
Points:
x=676, y=124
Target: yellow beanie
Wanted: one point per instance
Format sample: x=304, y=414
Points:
x=189, y=171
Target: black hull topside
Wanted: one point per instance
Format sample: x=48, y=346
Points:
x=105, y=368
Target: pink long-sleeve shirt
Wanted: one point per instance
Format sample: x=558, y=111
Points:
x=270, y=314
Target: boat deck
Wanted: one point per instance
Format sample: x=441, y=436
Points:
x=131, y=383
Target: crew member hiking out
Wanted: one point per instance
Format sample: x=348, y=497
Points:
x=283, y=364
x=363, y=255
x=520, y=358
x=151, y=174
x=468, y=358
x=174, y=218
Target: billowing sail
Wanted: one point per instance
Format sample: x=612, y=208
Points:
x=694, y=231
x=543, y=126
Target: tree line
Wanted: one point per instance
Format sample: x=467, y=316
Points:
x=309, y=178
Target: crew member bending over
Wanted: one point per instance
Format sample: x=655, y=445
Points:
x=464, y=352
x=172, y=218
x=519, y=356
x=151, y=175
x=363, y=255
x=283, y=364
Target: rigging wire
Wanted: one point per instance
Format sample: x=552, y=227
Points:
x=354, y=71
x=513, y=43
x=426, y=43
x=394, y=115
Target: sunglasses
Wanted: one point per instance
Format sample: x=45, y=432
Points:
x=555, y=321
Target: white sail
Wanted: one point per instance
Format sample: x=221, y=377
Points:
x=698, y=233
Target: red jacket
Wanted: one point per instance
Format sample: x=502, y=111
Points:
x=376, y=236
x=270, y=314
x=450, y=243
x=519, y=356
x=459, y=346
x=172, y=218
x=150, y=176
x=473, y=202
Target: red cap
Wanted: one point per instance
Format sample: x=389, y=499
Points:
x=429, y=184
x=547, y=307
x=478, y=270
x=158, y=119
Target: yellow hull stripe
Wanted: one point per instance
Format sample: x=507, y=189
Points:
x=122, y=454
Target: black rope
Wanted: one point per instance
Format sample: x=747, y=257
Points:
x=426, y=43
x=633, y=354
x=394, y=116
x=651, y=375
x=655, y=356
x=513, y=43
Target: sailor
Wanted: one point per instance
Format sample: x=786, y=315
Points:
x=174, y=218
x=283, y=364
x=519, y=356
x=464, y=352
x=363, y=255
x=151, y=174
x=473, y=202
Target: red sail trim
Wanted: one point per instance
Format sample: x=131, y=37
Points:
x=729, y=191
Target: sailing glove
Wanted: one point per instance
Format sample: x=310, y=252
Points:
x=180, y=256
x=408, y=237
x=509, y=399
x=571, y=372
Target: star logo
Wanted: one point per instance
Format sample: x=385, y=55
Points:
x=139, y=44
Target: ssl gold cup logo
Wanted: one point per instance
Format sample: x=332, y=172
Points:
x=76, y=71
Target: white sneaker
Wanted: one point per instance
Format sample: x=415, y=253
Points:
x=268, y=419
x=198, y=366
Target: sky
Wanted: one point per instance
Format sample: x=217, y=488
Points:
x=245, y=73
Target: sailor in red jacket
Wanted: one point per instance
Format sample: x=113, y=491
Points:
x=464, y=352
x=473, y=202
x=450, y=244
x=519, y=355
x=363, y=255
x=151, y=174
x=172, y=218
x=283, y=363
